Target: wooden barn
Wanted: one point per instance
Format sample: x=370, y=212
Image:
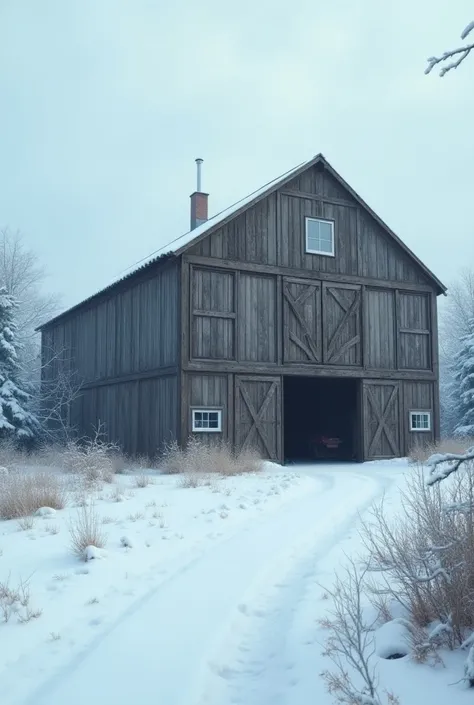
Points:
x=295, y=322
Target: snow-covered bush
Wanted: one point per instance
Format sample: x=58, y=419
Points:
x=424, y=557
x=93, y=461
x=23, y=492
x=86, y=531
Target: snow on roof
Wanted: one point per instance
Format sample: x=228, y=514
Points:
x=176, y=245
x=183, y=240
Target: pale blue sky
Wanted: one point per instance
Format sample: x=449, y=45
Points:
x=106, y=103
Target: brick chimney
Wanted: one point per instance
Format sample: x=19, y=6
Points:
x=198, y=201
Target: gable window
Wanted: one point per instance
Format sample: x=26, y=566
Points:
x=420, y=421
x=320, y=236
x=207, y=420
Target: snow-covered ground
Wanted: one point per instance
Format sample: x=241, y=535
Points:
x=203, y=596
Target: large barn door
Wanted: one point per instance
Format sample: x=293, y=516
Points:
x=302, y=321
x=341, y=324
x=381, y=419
x=258, y=415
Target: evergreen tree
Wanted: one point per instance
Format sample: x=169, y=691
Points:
x=464, y=366
x=16, y=422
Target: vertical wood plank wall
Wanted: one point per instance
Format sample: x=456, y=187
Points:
x=125, y=350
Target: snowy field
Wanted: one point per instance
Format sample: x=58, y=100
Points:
x=202, y=596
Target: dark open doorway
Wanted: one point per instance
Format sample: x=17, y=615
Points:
x=320, y=419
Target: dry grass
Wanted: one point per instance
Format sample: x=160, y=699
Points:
x=199, y=460
x=85, y=530
x=22, y=492
x=420, y=452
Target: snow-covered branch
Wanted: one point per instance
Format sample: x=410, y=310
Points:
x=442, y=465
x=454, y=57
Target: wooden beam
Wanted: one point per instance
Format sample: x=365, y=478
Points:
x=307, y=274
x=319, y=197
x=136, y=376
x=214, y=314
x=306, y=370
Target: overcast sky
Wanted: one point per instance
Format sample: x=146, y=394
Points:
x=106, y=103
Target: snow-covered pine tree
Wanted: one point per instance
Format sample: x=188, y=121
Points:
x=16, y=421
x=464, y=367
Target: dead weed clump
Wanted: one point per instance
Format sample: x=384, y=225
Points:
x=85, y=530
x=420, y=451
x=199, y=460
x=22, y=492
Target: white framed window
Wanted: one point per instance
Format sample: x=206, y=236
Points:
x=420, y=420
x=320, y=236
x=206, y=420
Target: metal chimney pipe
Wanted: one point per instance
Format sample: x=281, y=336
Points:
x=198, y=165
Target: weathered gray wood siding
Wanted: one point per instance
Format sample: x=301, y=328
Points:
x=140, y=415
x=418, y=396
x=214, y=391
x=124, y=349
x=273, y=233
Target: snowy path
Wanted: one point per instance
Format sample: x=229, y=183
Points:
x=219, y=630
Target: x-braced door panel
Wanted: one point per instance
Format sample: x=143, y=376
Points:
x=258, y=415
x=302, y=321
x=381, y=418
x=341, y=324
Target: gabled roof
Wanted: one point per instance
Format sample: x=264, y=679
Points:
x=182, y=243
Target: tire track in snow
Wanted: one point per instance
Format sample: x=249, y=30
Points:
x=159, y=651
x=257, y=662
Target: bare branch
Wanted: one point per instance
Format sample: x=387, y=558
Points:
x=457, y=55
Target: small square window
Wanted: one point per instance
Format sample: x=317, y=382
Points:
x=420, y=421
x=206, y=420
x=320, y=237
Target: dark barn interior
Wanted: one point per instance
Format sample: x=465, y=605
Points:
x=320, y=419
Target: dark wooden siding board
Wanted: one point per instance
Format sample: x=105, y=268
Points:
x=381, y=257
x=321, y=183
x=435, y=364
x=414, y=332
x=257, y=318
x=380, y=336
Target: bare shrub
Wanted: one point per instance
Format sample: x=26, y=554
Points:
x=172, y=459
x=350, y=644
x=191, y=480
x=143, y=480
x=92, y=461
x=85, y=530
x=13, y=599
x=22, y=492
x=424, y=557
